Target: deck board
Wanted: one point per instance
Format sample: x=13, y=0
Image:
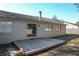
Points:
x=34, y=45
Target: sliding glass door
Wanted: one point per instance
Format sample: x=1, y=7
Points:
x=31, y=30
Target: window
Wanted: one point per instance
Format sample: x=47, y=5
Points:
x=6, y=27
x=58, y=28
x=48, y=28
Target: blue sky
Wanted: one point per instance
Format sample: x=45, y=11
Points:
x=65, y=11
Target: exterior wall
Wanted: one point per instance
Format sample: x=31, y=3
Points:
x=41, y=29
x=19, y=31
x=72, y=29
x=52, y=33
x=71, y=26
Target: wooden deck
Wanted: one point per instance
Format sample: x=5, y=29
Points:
x=31, y=46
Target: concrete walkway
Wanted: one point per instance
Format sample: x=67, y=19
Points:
x=31, y=46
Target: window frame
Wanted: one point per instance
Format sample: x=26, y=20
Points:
x=3, y=27
x=48, y=28
x=58, y=28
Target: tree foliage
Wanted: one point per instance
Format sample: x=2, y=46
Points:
x=77, y=6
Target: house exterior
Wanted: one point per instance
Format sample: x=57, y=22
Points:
x=71, y=28
x=14, y=27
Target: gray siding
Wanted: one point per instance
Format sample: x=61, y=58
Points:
x=41, y=29
x=52, y=33
x=72, y=31
x=19, y=31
